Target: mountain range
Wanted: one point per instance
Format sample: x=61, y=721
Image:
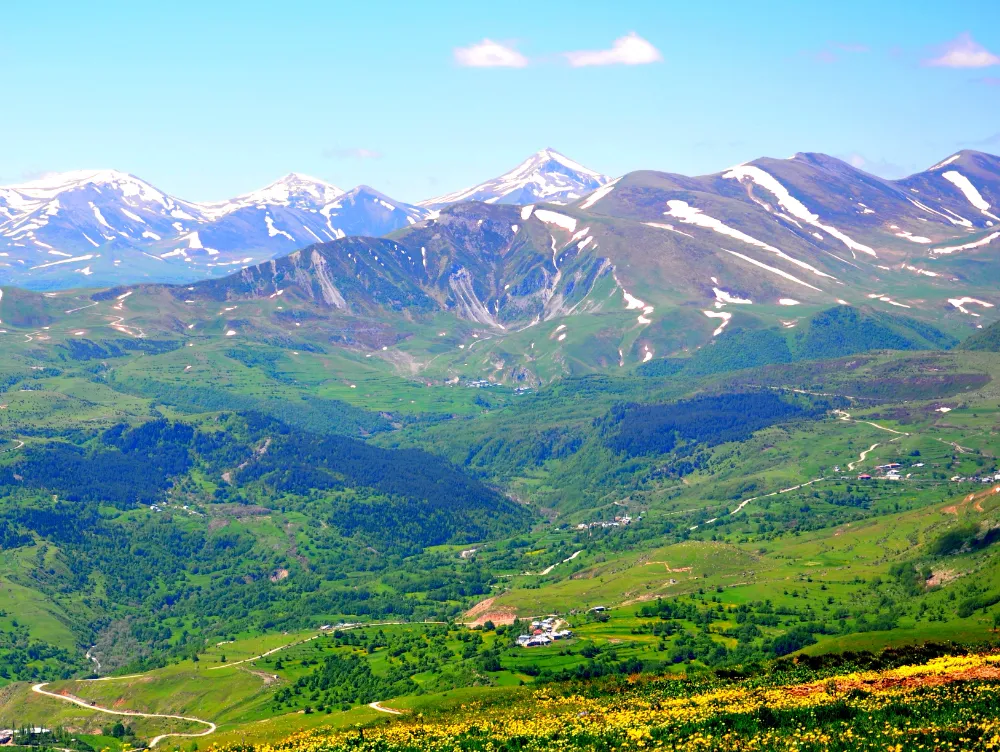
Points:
x=764, y=238
x=94, y=227
x=651, y=264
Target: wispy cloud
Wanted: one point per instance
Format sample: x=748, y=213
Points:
x=989, y=80
x=630, y=49
x=875, y=166
x=963, y=52
x=988, y=141
x=490, y=54
x=352, y=152
x=832, y=52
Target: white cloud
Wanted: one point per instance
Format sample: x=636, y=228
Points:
x=353, y=152
x=963, y=52
x=490, y=54
x=630, y=49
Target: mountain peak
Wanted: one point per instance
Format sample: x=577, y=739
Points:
x=548, y=154
x=21, y=200
x=545, y=176
x=296, y=183
x=51, y=184
x=293, y=189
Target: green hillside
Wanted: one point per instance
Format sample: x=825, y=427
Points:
x=175, y=506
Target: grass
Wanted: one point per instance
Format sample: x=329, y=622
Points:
x=819, y=547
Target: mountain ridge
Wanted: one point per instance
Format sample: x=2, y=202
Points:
x=546, y=177
x=661, y=263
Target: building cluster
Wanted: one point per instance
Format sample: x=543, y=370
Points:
x=543, y=633
x=7, y=735
x=989, y=477
x=621, y=521
x=888, y=471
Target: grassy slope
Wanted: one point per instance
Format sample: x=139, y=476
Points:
x=777, y=458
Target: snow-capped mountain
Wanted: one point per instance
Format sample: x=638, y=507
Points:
x=69, y=221
x=546, y=176
x=671, y=262
x=106, y=226
x=297, y=211
x=293, y=190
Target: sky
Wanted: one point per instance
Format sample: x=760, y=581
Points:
x=210, y=100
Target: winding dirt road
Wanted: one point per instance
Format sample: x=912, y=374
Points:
x=39, y=688
x=861, y=457
x=263, y=655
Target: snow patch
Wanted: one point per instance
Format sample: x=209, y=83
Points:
x=723, y=296
x=887, y=299
x=550, y=217
x=772, y=269
x=87, y=257
x=970, y=192
x=945, y=163
x=100, y=217
x=725, y=316
x=690, y=215
x=791, y=204
x=273, y=231
x=954, y=219
x=631, y=302
x=967, y=246
x=600, y=193
x=913, y=238
x=662, y=226
x=960, y=304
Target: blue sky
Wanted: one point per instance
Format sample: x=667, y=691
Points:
x=208, y=100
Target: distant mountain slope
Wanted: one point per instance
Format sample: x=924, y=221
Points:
x=546, y=176
x=810, y=229
x=484, y=263
x=648, y=266
x=831, y=333
x=965, y=187
x=106, y=227
x=986, y=340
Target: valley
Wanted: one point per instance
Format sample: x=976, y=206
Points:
x=535, y=377
x=332, y=489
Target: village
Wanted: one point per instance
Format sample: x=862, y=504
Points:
x=889, y=471
x=894, y=471
x=620, y=521
x=544, y=632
